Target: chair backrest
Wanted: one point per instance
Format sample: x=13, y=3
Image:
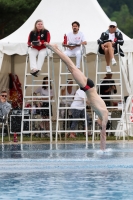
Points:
x=3, y=119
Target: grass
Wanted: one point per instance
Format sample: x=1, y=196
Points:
x=80, y=137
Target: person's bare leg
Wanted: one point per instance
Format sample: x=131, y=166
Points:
x=110, y=49
x=107, y=56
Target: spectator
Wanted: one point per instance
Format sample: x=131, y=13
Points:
x=67, y=101
x=37, y=38
x=5, y=107
x=107, y=89
x=75, y=38
x=79, y=111
x=108, y=44
x=43, y=91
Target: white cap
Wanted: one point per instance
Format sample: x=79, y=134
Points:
x=113, y=24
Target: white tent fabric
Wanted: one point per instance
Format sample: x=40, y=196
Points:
x=58, y=16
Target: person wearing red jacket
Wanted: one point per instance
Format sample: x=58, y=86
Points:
x=37, y=37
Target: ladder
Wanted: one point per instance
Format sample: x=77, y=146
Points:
x=28, y=97
x=64, y=74
x=113, y=110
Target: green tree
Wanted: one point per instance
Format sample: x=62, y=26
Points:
x=124, y=20
x=110, y=6
x=13, y=13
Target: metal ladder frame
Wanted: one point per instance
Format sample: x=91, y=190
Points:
x=98, y=65
x=32, y=97
x=58, y=130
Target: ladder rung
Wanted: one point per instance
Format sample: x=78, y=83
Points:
x=112, y=95
x=112, y=99
x=36, y=131
x=67, y=96
x=108, y=84
x=113, y=107
x=106, y=72
x=110, y=119
x=109, y=131
x=65, y=73
x=36, y=97
x=35, y=85
x=47, y=80
x=39, y=74
x=70, y=107
x=69, y=131
x=34, y=120
x=38, y=100
x=68, y=84
x=109, y=79
x=36, y=108
x=75, y=119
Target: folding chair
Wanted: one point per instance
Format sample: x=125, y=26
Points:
x=3, y=123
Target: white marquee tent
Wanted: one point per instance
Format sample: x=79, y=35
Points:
x=58, y=16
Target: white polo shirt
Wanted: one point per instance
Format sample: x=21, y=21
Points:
x=75, y=38
x=79, y=99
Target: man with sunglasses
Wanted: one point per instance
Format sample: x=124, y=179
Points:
x=5, y=107
x=108, y=44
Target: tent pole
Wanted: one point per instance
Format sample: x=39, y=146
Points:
x=12, y=64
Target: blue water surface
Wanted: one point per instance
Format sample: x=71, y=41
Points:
x=66, y=171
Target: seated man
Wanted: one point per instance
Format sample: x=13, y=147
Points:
x=78, y=110
x=107, y=89
x=66, y=101
x=95, y=101
x=5, y=107
x=108, y=44
x=75, y=38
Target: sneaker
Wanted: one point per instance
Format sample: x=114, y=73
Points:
x=34, y=72
x=108, y=69
x=114, y=61
x=38, y=72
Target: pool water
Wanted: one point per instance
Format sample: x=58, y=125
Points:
x=66, y=171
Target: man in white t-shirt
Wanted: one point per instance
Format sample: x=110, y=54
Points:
x=78, y=110
x=75, y=37
x=108, y=44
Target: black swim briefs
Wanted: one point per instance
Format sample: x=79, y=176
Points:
x=89, y=85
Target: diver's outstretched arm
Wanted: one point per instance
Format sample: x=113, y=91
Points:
x=103, y=136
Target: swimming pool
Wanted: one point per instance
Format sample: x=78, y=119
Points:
x=66, y=171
